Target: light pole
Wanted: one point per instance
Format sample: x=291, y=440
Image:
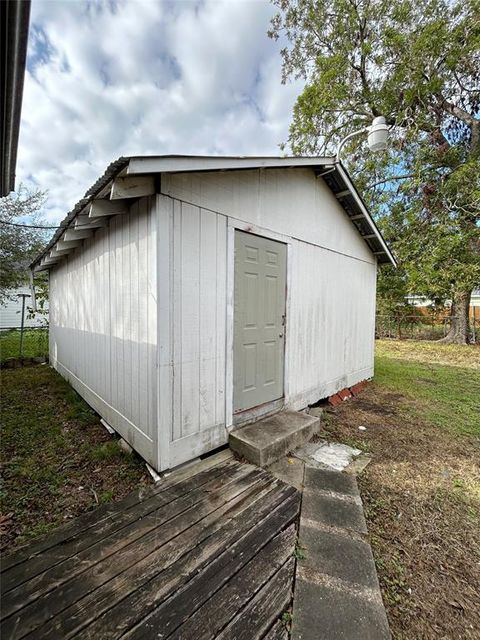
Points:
x=377, y=136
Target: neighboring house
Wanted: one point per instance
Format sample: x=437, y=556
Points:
x=423, y=302
x=191, y=294
x=11, y=311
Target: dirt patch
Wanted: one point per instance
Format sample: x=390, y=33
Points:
x=422, y=499
x=57, y=460
x=453, y=355
x=369, y=407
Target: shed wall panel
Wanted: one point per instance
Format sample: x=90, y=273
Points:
x=331, y=271
x=196, y=317
x=293, y=202
x=104, y=301
x=330, y=324
x=103, y=329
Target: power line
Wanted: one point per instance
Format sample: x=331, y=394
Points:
x=30, y=226
x=34, y=226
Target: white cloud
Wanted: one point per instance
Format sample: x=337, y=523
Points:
x=107, y=79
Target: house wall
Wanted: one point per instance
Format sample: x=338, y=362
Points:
x=103, y=329
x=292, y=202
x=331, y=325
x=331, y=277
x=11, y=311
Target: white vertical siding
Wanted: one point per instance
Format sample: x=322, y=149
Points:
x=171, y=403
x=195, y=312
x=292, y=202
x=330, y=337
x=103, y=324
x=331, y=271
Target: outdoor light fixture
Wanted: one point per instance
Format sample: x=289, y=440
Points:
x=377, y=136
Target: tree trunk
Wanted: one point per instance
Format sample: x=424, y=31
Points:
x=459, y=331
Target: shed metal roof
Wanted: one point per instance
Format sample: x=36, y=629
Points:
x=334, y=174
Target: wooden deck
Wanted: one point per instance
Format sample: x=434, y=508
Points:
x=206, y=553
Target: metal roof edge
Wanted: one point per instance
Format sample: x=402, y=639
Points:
x=111, y=171
x=14, y=25
x=182, y=163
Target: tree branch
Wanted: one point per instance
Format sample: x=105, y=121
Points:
x=456, y=111
x=390, y=179
x=464, y=116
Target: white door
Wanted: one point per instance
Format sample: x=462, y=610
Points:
x=259, y=320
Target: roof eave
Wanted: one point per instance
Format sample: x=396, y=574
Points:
x=362, y=206
x=127, y=168
x=180, y=164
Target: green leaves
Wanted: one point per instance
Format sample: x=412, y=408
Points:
x=19, y=245
x=418, y=64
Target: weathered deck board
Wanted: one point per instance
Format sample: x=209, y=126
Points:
x=255, y=619
x=165, y=560
x=217, y=611
x=177, y=609
x=145, y=522
x=133, y=510
x=101, y=600
x=84, y=522
x=277, y=632
x=130, y=611
x=70, y=581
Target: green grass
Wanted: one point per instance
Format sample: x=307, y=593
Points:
x=35, y=343
x=421, y=490
x=109, y=451
x=426, y=351
x=447, y=396
x=57, y=460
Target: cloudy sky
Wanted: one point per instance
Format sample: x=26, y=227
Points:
x=123, y=77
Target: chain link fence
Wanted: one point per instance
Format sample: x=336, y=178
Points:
x=420, y=327
x=30, y=342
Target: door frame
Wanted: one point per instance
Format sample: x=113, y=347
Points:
x=233, y=224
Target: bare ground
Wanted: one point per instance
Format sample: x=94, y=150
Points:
x=422, y=498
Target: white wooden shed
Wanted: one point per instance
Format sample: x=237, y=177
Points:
x=189, y=294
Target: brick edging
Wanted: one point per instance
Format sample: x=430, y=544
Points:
x=345, y=394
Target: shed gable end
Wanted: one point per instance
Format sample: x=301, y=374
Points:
x=292, y=202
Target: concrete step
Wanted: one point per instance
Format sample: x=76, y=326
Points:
x=267, y=440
